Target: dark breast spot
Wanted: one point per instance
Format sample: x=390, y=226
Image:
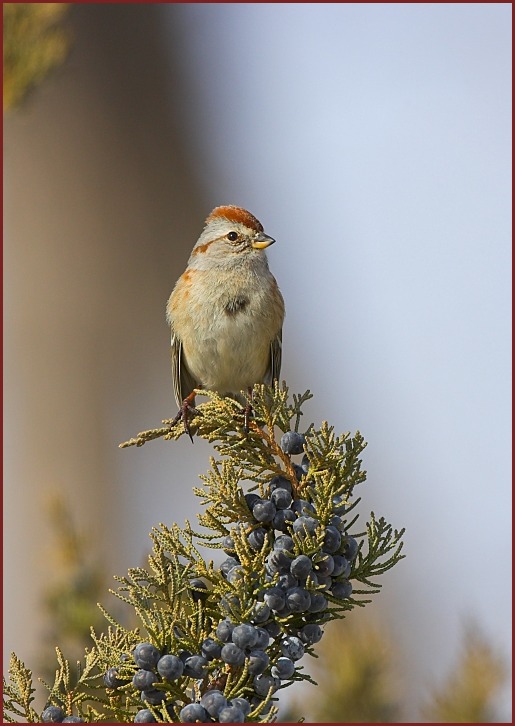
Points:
x=236, y=305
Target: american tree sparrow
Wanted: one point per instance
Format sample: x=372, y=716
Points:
x=225, y=312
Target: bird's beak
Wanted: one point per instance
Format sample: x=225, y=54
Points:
x=261, y=241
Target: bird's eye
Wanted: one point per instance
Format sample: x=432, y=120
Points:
x=232, y=236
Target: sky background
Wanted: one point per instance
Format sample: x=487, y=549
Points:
x=373, y=141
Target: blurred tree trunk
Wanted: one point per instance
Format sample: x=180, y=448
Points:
x=101, y=208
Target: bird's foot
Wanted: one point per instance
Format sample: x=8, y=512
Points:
x=247, y=412
x=186, y=412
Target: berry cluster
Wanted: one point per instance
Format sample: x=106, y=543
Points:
x=307, y=559
x=154, y=668
x=55, y=714
x=308, y=564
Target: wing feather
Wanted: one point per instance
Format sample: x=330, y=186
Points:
x=274, y=367
x=183, y=382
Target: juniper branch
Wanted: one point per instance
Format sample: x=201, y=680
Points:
x=181, y=600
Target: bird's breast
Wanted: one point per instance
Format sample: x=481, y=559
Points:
x=226, y=327
x=236, y=305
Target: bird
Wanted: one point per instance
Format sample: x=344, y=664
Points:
x=226, y=313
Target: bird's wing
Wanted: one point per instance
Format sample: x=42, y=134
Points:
x=274, y=367
x=183, y=382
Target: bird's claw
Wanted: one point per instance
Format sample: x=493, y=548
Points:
x=186, y=411
x=247, y=412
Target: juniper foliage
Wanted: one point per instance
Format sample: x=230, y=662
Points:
x=181, y=598
x=35, y=42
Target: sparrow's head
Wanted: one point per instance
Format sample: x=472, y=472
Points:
x=230, y=235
